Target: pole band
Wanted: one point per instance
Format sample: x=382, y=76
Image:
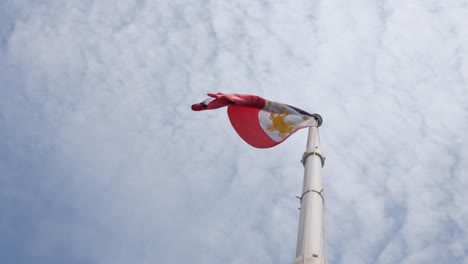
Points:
x=308, y=191
x=307, y=154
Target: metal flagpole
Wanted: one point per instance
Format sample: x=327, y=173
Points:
x=310, y=239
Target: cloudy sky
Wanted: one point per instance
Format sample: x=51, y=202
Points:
x=102, y=160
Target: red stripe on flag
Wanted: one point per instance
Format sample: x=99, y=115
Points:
x=245, y=122
x=220, y=100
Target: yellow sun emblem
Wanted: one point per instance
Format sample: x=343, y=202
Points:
x=279, y=124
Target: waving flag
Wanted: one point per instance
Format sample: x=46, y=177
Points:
x=261, y=123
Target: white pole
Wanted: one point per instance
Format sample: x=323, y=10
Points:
x=310, y=238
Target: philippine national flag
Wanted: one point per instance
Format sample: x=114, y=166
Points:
x=261, y=123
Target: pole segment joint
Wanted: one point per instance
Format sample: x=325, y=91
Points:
x=312, y=191
x=307, y=154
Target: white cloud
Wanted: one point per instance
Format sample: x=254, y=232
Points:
x=102, y=160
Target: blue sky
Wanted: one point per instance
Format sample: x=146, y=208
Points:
x=102, y=160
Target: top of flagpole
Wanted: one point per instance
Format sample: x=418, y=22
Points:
x=318, y=118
